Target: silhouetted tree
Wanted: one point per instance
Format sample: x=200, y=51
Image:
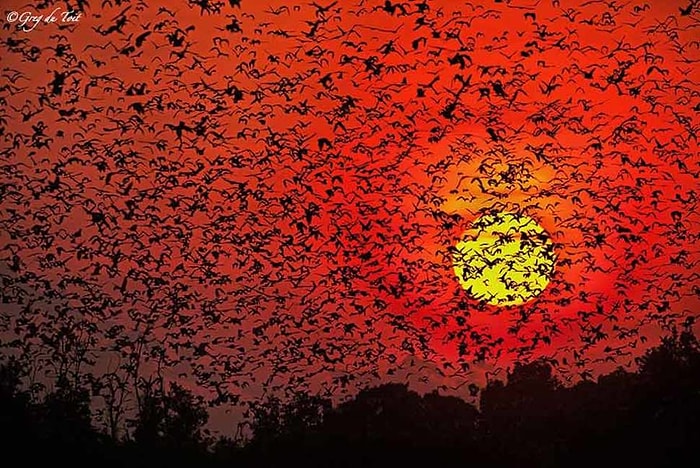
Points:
x=380, y=425
x=647, y=418
x=279, y=428
x=518, y=415
x=59, y=426
x=15, y=405
x=668, y=407
x=172, y=419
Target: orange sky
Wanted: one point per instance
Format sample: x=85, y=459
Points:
x=298, y=231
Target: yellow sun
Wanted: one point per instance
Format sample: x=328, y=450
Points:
x=504, y=259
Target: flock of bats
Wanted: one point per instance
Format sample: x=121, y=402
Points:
x=260, y=197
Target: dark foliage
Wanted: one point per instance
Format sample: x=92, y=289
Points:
x=647, y=418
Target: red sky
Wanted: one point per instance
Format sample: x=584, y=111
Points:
x=297, y=233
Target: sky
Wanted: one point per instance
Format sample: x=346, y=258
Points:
x=258, y=198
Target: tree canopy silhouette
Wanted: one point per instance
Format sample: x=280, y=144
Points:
x=650, y=417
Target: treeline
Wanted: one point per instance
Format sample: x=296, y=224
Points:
x=647, y=418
